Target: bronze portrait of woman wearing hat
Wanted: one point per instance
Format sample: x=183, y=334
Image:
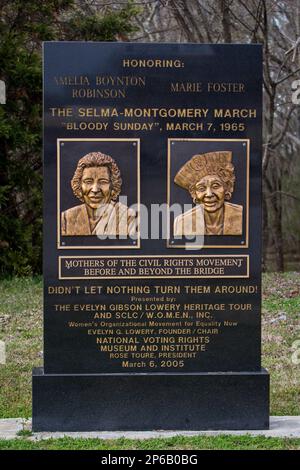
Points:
x=209, y=178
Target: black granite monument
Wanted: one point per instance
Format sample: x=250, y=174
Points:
x=152, y=238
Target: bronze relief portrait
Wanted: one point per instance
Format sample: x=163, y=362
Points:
x=97, y=184
x=209, y=178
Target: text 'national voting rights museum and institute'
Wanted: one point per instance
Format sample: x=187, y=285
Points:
x=152, y=238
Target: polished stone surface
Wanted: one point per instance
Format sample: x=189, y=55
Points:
x=71, y=350
x=147, y=402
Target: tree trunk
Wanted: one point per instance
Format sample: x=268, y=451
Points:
x=225, y=12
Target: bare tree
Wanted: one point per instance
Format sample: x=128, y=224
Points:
x=276, y=25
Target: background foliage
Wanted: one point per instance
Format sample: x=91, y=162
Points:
x=23, y=27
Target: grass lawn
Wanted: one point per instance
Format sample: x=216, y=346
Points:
x=21, y=329
x=173, y=443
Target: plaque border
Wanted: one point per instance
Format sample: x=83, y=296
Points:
x=246, y=276
x=59, y=140
x=170, y=139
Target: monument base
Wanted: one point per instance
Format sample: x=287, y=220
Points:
x=144, y=402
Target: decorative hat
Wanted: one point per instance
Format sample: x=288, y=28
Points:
x=205, y=164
